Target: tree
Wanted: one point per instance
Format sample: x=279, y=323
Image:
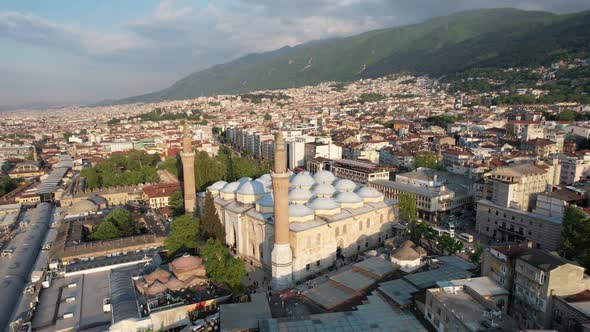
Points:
x=106, y=230
x=121, y=218
x=210, y=223
x=407, y=206
x=426, y=159
x=419, y=231
x=448, y=245
x=475, y=256
x=267, y=117
x=221, y=266
x=184, y=234
x=176, y=203
x=575, y=235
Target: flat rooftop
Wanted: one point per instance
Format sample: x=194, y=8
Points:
x=399, y=290
x=82, y=295
x=244, y=316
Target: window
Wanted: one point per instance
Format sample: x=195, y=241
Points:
x=337, y=231
x=318, y=240
x=344, y=229
x=367, y=244
x=318, y=263
x=368, y=223
x=307, y=267
x=358, y=248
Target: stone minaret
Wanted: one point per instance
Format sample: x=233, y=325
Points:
x=188, y=171
x=282, y=257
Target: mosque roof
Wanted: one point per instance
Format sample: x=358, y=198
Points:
x=348, y=197
x=345, y=185
x=217, y=185
x=302, y=180
x=300, y=194
x=323, y=203
x=367, y=192
x=299, y=210
x=230, y=187
x=251, y=188
x=266, y=200
x=324, y=189
x=324, y=176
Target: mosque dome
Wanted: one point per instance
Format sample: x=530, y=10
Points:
x=406, y=253
x=251, y=188
x=266, y=179
x=267, y=200
x=217, y=186
x=324, y=176
x=302, y=180
x=345, y=185
x=348, y=197
x=299, y=210
x=231, y=187
x=324, y=190
x=244, y=179
x=299, y=194
x=367, y=192
x=323, y=203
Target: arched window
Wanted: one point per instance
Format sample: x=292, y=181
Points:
x=319, y=239
x=337, y=231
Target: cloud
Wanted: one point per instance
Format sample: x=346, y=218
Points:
x=180, y=37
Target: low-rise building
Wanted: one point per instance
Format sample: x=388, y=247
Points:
x=571, y=313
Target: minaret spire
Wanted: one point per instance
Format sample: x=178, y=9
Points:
x=282, y=256
x=188, y=171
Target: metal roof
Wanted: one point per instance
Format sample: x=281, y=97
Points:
x=123, y=297
x=15, y=269
x=49, y=186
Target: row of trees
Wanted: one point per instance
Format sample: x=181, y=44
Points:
x=116, y=224
x=225, y=166
x=133, y=168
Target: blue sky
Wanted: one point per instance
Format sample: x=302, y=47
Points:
x=85, y=51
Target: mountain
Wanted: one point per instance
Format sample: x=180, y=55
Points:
x=479, y=38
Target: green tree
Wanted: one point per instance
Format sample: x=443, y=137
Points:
x=407, y=207
x=475, y=256
x=267, y=117
x=106, y=230
x=176, y=203
x=426, y=159
x=221, y=266
x=121, y=218
x=575, y=235
x=448, y=245
x=8, y=184
x=184, y=234
x=210, y=223
x=419, y=231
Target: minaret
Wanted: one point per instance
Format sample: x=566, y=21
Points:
x=282, y=257
x=188, y=171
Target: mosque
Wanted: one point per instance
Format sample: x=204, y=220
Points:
x=294, y=225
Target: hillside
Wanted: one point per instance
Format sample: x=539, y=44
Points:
x=495, y=37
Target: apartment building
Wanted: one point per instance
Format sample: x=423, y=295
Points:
x=571, y=313
x=540, y=276
x=516, y=186
x=358, y=171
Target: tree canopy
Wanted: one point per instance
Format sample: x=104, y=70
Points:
x=407, y=207
x=134, y=168
x=184, y=234
x=221, y=266
x=106, y=230
x=7, y=184
x=426, y=159
x=122, y=220
x=176, y=203
x=576, y=235
x=210, y=223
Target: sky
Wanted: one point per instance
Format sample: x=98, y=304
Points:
x=72, y=51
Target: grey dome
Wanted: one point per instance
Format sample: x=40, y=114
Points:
x=299, y=194
x=266, y=200
x=298, y=210
x=251, y=188
x=266, y=179
x=345, y=185
x=302, y=180
x=323, y=203
x=217, y=185
x=324, y=189
x=348, y=197
x=230, y=187
x=367, y=192
x=324, y=176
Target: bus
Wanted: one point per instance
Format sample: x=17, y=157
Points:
x=441, y=231
x=466, y=237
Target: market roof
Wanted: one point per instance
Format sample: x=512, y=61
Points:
x=244, y=316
